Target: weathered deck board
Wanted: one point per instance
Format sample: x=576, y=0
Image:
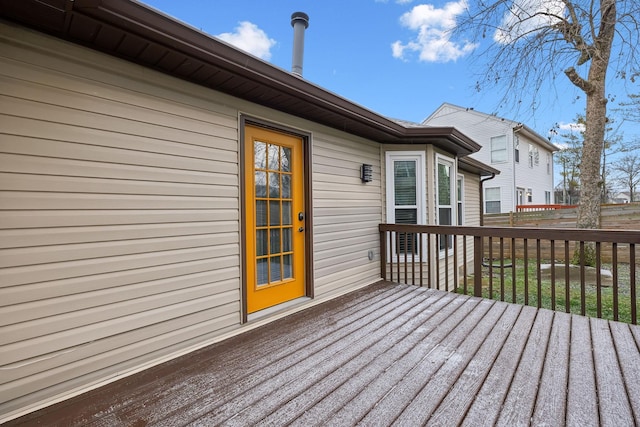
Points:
x=387, y=354
x=612, y=395
x=551, y=401
x=582, y=396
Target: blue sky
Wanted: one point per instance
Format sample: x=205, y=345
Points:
x=390, y=56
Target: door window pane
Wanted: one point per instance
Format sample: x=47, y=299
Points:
x=286, y=159
x=262, y=271
x=276, y=274
x=286, y=213
x=274, y=157
x=261, y=242
x=274, y=213
x=274, y=184
x=287, y=263
x=287, y=242
x=275, y=241
x=286, y=186
x=260, y=155
x=261, y=213
x=261, y=184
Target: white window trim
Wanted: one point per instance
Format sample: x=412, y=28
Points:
x=421, y=196
x=460, y=210
x=452, y=191
x=486, y=199
x=501, y=138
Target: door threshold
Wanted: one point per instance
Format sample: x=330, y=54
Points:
x=266, y=312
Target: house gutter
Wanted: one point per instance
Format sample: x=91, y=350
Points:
x=482, y=181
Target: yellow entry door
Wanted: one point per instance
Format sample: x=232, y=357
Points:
x=275, y=218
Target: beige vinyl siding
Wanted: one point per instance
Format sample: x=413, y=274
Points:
x=119, y=218
x=346, y=212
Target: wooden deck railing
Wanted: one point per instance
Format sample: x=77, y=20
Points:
x=531, y=266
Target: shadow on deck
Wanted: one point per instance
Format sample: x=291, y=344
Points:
x=387, y=354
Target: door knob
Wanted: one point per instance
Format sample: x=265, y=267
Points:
x=300, y=216
x=301, y=229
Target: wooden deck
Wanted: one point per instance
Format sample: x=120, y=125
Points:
x=387, y=354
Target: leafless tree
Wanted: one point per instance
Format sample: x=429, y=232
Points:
x=628, y=172
x=536, y=41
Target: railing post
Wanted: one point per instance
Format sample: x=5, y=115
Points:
x=383, y=255
x=477, y=266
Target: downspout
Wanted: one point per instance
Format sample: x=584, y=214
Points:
x=482, y=181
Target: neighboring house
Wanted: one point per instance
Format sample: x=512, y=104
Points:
x=162, y=190
x=524, y=158
x=622, y=197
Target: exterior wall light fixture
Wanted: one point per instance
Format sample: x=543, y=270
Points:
x=366, y=173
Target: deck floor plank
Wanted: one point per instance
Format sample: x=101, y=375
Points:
x=582, y=395
x=517, y=408
x=442, y=381
x=386, y=354
x=626, y=347
x=457, y=401
x=332, y=392
x=550, y=406
x=615, y=409
x=322, y=354
x=348, y=407
x=394, y=403
x=486, y=407
x=333, y=368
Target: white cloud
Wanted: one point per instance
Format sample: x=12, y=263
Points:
x=433, y=40
x=573, y=127
x=250, y=38
x=526, y=16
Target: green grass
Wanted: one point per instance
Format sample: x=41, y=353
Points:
x=547, y=300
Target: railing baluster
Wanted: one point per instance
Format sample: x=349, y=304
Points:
x=446, y=262
x=477, y=266
x=455, y=262
x=513, y=270
x=501, y=269
x=437, y=239
x=614, y=263
x=420, y=249
x=538, y=273
x=526, y=271
x=598, y=282
x=553, y=274
x=404, y=240
x=383, y=255
x=583, y=301
x=490, y=267
x=567, y=290
x=429, y=284
x=632, y=283
x=464, y=262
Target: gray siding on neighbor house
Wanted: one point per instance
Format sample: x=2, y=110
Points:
x=120, y=217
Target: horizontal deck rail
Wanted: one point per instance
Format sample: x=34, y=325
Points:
x=532, y=266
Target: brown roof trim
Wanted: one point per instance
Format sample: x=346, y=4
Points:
x=138, y=33
x=469, y=164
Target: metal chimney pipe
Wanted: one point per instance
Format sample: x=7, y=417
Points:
x=299, y=22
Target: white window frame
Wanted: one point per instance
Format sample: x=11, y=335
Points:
x=486, y=199
x=494, y=140
x=460, y=200
x=421, y=195
x=449, y=161
x=516, y=149
x=530, y=155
